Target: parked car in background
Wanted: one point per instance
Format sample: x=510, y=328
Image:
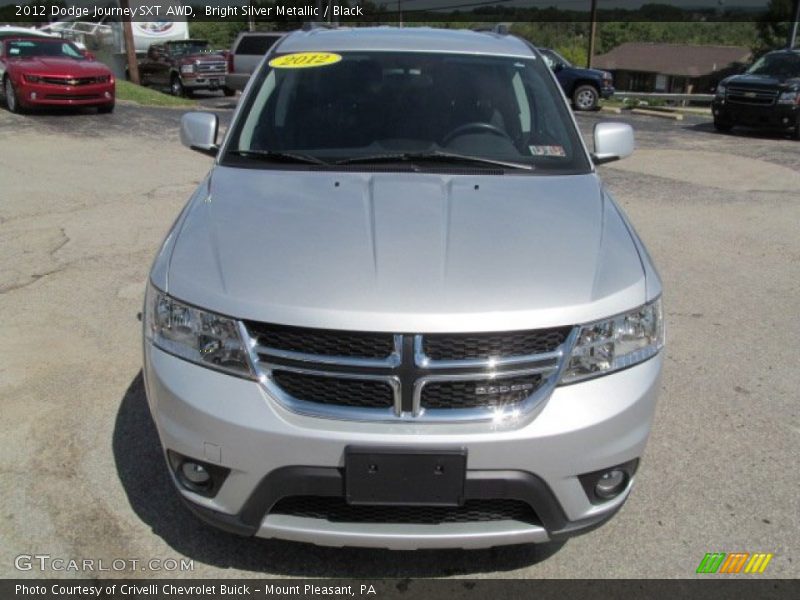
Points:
x=10, y=31
x=247, y=51
x=584, y=87
x=44, y=71
x=767, y=95
x=184, y=66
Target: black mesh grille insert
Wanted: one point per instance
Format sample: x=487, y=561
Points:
x=493, y=345
x=327, y=342
x=337, y=510
x=483, y=394
x=362, y=393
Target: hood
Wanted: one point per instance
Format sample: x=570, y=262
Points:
x=588, y=73
x=747, y=79
x=62, y=66
x=405, y=252
x=202, y=57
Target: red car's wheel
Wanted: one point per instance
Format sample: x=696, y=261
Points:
x=12, y=102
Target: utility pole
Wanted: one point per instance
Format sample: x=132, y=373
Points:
x=592, y=33
x=793, y=30
x=130, y=48
x=251, y=20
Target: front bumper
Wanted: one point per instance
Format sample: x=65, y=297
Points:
x=203, y=82
x=607, y=92
x=38, y=94
x=774, y=116
x=273, y=453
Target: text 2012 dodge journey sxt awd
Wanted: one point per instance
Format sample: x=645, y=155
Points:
x=402, y=310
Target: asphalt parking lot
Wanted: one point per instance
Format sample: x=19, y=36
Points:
x=85, y=202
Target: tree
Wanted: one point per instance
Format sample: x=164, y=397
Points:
x=773, y=27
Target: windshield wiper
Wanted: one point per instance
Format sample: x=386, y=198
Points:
x=435, y=155
x=276, y=155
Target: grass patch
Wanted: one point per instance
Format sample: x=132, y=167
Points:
x=148, y=97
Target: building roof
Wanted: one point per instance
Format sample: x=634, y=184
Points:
x=406, y=39
x=685, y=60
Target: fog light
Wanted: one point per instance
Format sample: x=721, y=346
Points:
x=195, y=473
x=197, y=476
x=33, y=95
x=611, y=484
x=606, y=484
x=108, y=94
x=785, y=120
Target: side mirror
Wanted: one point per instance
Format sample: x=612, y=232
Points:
x=558, y=67
x=88, y=55
x=612, y=141
x=199, y=132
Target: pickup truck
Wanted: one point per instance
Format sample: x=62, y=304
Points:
x=584, y=87
x=247, y=51
x=183, y=67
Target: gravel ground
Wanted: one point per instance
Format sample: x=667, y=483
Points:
x=86, y=200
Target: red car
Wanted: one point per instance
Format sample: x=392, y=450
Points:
x=53, y=72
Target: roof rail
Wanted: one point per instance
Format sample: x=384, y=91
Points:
x=311, y=25
x=499, y=29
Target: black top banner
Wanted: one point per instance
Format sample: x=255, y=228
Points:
x=394, y=11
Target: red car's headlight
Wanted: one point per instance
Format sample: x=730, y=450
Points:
x=32, y=78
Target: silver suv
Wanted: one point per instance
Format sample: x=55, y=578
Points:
x=402, y=310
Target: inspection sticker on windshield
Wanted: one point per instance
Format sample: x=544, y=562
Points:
x=547, y=150
x=304, y=60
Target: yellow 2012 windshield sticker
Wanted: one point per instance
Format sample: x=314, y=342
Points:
x=304, y=60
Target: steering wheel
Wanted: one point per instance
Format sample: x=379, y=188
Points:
x=477, y=126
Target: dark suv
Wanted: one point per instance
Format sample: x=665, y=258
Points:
x=184, y=66
x=584, y=87
x=767, y=95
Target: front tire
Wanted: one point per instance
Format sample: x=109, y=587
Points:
x=585, y=97
x=12, y=101
x=722, y=126
x=176, y=86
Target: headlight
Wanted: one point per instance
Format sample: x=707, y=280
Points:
x=32, y=78
x=720, y=91
x=187, y=68
x=789, y=98
x=612, y=344
x=199, y=336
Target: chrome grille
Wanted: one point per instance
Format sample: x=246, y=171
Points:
x=384, y=377
x=485, y=346
x=336, y=390
x=352, y=344
x=211, y=67
x=751, y=95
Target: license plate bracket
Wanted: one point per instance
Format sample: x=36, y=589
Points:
x=403, y=476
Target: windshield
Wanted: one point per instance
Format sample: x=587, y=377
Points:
x=553, y=58
x=372, y=106
x=185, y=48
x=44, y=47
x=784, y=65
